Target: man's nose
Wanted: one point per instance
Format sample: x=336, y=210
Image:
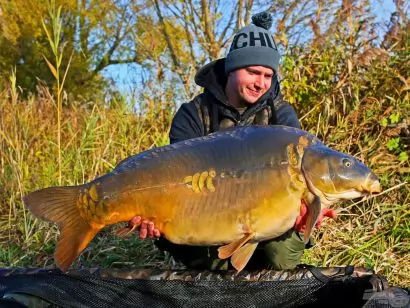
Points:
x=259, y=82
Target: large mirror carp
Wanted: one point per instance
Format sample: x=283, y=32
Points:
x=232, y=188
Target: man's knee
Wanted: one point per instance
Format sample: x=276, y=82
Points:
x=285, y=252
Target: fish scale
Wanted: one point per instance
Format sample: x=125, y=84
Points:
x=232, y=188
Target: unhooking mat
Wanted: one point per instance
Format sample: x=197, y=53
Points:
x=302, y=287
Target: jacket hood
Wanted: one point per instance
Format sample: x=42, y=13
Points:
x=212, y=78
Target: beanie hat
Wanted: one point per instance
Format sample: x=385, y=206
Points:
x=253, y=45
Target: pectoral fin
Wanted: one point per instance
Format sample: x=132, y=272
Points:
x=241, y=257
x=313, y=212
x=228, y=250
x=133, y=224
x=124, y=232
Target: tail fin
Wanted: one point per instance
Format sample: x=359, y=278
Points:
x=59, y=205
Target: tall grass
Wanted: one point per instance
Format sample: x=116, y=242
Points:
x=93, y=139
x=53, y=37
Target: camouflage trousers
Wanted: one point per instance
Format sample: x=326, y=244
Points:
x=280, y=253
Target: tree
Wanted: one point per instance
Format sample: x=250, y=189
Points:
x=95, y=34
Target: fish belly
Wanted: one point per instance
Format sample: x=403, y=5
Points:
x=259, y=203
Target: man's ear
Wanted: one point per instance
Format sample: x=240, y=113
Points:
x=228, y=77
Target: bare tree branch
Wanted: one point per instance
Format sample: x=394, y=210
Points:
x=222, y=41
x=166, y=35
x=248, y=9
x=239, y=14
x=106, y=58
x=211, y=45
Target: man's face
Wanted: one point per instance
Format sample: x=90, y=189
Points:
x=250, y=83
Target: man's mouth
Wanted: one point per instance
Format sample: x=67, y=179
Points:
x=254, y=93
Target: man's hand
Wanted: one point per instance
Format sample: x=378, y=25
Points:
x=300, y=224
x=146, y=228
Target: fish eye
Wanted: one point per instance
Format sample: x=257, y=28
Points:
x=347, y=163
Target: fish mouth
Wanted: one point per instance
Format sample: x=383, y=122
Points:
x=371, y=185
x=330, y=199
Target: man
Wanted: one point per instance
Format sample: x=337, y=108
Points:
x=241, y=89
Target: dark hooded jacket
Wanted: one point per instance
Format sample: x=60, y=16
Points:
x=210, y=111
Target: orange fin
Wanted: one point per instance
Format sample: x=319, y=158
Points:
x=126, y=231
x=74, y=238
x=228, y=250
x=122, y=232
x=313, y=212
x=241, y=257
x=59, y=205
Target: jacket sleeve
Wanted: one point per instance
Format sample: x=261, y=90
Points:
x=186, y=124
x=285, y=113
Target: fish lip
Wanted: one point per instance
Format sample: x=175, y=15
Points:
x=371, y=187
x=375, y=188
